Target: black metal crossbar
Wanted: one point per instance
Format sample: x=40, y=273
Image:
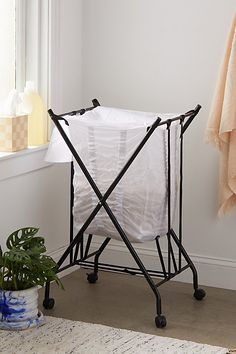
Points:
x=174, y=260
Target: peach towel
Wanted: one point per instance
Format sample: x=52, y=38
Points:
x=221, y=127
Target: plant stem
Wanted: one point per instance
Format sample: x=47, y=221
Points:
x=3, y=271
x=1, y=278
x=14, y=278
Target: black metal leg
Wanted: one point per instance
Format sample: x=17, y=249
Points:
x=137, y=260
x=48, y=302
x=181, y=155
x=173, y=258
x=71, y=208
x=101, y=249
x=79, y=245
x=75, y=241
x=161, y=257
x=76, y=251
x=90, y=236
x=47, y=291
x=199, y=293
x=187, y=258
x=93, y=277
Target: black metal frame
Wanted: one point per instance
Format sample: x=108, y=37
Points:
x=77, y=242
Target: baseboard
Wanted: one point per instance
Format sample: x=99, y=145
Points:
x=215, y=272
x=56, y=254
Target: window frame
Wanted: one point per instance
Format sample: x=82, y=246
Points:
x=33, y=55
x=37, y=70
x=20, y=13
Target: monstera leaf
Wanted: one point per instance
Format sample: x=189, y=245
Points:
x=1, y=258
x=35, y=278
x=23, y=265
x=21, y=237
x=35, y=246
x=16, y=256
x=47, y=262
x=47, y=268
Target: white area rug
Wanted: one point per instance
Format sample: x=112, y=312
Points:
x=62, y=336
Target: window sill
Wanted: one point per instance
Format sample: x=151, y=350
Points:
x=24, y=161
x=30, y=150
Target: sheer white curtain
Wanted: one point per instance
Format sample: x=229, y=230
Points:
x=7, y=47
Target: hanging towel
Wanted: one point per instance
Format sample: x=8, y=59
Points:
x=221, y=128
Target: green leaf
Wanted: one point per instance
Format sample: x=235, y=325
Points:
x=35, y=246
x=59, y=283
x=23, y=265
x=48, y=262
x=16, y=256
x=21, y=237
x=33, y=279
x=1, y=258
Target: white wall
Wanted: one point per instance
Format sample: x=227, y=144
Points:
x=164, y=56
x=38, y=198
x=66, y=48
x=149, y=55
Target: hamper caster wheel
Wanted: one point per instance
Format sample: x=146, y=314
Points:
x=199, y=294
x=92, y=278
x=160, y=321
x=49, y=303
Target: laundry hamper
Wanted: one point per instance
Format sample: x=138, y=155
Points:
x=126, y=175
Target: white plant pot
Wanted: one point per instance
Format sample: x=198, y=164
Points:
x=19, y=309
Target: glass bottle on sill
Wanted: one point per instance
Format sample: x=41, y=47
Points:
x=32, y=103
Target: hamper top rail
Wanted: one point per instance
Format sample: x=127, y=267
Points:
x=190, y=115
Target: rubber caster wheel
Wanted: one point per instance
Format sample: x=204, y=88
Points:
x=92, y=278
x=160, y=321
x=199, y=294
x=49, y=303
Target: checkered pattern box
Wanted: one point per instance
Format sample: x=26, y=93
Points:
x=13, y=133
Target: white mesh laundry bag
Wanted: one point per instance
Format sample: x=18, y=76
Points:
x=105, y=138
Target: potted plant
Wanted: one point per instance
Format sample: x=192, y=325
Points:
x=23, y=267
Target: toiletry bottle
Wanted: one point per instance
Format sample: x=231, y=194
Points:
x=34, y=107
